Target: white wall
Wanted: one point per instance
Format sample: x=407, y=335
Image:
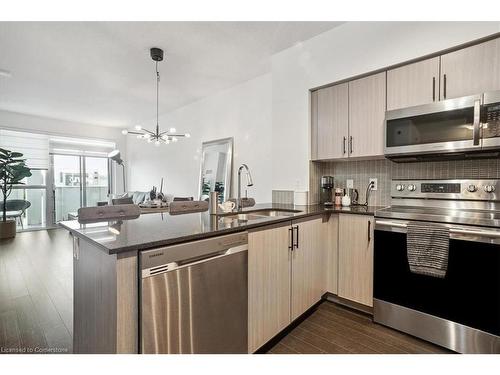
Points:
x=351, y=49
x=45, y=125
x=242, y=112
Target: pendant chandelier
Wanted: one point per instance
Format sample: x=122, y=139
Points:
x=157, y=137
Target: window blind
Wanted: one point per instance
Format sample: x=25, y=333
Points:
x=80, y=146
x=34, y=147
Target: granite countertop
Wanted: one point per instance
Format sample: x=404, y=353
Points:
x=161, y=229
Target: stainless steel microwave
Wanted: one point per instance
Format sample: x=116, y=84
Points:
x=466, y=127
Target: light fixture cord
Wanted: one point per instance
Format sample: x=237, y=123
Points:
x=157, y=95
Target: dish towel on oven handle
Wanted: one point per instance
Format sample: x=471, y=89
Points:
x=427, y=247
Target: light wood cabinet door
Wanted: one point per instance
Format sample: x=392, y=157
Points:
x=367, y=115
x=314, y=125
x=333, y=122
x=308, y=265
x=356, y=258
x=269, y=267
x=472, y=70
x=413, y=84
x=332, y=251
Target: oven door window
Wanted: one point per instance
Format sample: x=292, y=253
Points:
x=469, y=294
x=448, y=126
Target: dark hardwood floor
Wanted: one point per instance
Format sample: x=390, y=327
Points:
x=333, y=329
x=36, y=309
x=36, y=292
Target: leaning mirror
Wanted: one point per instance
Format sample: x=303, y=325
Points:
x=216, y=168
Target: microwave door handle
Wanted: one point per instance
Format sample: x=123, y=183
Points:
x=477, y=124
x=433, y=89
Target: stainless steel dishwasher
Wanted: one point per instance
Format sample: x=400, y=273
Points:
x=194, y=297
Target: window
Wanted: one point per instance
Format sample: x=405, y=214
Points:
x=34, y=192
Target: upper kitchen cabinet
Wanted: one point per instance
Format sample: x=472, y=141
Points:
x=367, y=98
x=471, y=70
x=413, y=84
x=332, y=122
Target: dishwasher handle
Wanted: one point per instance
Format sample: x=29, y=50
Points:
x=147, y=272
x=217, y=254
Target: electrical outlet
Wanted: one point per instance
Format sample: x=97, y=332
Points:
x=350, y=184
x=374, y=180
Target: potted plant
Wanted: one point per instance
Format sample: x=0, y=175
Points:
x=12, y=170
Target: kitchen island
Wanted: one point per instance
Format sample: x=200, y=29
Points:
x=107, y=264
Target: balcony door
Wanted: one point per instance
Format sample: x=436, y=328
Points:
x=78, y=181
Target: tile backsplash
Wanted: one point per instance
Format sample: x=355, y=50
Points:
x=283, y=196
x=385, y=170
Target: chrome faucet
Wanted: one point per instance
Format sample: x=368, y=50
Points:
x=249, y=183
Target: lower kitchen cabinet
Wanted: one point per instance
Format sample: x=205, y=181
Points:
x=269, y=270
x=308, y=265
x=286, y=275
x=332, y=253
x=355, y=262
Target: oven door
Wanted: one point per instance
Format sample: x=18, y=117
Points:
x=449, y=126
x=461, y=311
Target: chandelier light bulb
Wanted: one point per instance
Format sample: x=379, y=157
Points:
x=167, y=141
x=157, y=143
x=138, y=127
x=172, y=130
x=187, y=135
x=124, y=131
x=174, y=139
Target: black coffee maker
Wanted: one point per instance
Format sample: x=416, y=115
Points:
x=326, y=190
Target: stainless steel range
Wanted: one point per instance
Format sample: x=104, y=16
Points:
x=462, y=310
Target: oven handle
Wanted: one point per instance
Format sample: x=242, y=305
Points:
x=480, y=233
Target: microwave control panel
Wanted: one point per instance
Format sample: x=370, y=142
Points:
x=491, y=113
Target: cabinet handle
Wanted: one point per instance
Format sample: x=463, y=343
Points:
x=290, y=247
x=444, y=86
x=76, y=247
x=369, y=231
x=343, y=144
x=297, y=238
x=350, y=144
x=433, y=89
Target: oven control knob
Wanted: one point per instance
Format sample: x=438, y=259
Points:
x=489, y=188
x=400, y=187
x=412, y=187
x=471, y=188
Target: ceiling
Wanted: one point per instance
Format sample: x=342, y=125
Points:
x=101, y=72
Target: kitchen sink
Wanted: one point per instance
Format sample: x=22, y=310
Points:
x=260, y=214
x=244, y=217
x=275, y=212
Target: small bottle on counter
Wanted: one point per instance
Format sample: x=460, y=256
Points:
x=338, y=196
